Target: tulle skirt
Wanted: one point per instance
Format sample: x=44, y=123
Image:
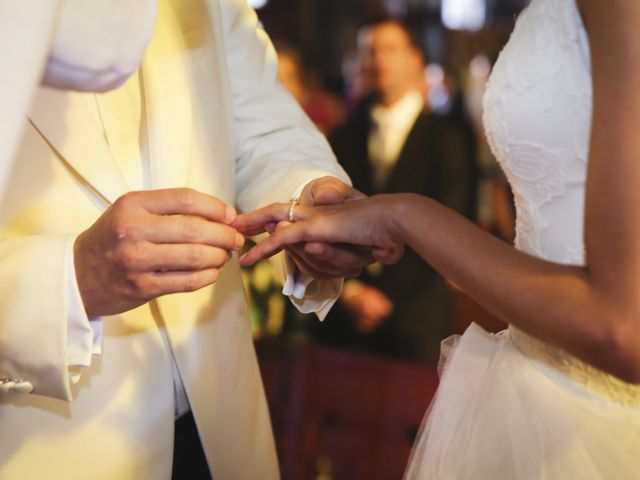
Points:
x=500, y=414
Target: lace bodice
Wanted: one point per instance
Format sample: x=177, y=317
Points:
x=537, y=115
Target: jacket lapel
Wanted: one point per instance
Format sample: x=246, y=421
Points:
x=67, y=125
x=65, y=121
x=167, y=102
x=405, y=169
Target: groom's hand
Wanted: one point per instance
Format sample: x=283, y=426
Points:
x=328, y=191
x=153, y=243
x=323, y=260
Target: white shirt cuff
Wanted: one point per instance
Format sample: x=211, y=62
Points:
x=307, y=294
x=296, y=284
x=84, y=336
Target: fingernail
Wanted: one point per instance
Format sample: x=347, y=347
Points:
x=239, y=240
x=242, y=259
x=230, y=214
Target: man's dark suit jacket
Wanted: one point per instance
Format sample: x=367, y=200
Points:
x=438, y=161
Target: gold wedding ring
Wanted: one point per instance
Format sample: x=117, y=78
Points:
x=292, y=205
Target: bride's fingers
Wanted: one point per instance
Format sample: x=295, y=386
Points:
x=259, y=252
x=388, y=256
x=342, y=256
x=309, y=265
x=256, y=222
x=253, y=231
x=295, y=233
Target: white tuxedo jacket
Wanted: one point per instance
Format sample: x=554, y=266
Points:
x=217, y=121
x=26, y=30
x=76, y=44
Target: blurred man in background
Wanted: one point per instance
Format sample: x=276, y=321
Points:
x=393, y=144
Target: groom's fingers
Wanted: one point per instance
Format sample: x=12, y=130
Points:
x=330, y=191
x=181, y=201
x=355, y=195
x=326, y=191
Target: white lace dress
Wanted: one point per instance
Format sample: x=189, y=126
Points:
x=510, y=407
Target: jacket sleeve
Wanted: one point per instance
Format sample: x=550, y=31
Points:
x=33, y=313
x=277, y=146
x=278, y=149
x=26, y=29
x=82, y=45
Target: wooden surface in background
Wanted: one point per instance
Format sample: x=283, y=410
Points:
x=346, y=415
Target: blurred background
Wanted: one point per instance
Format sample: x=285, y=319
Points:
x=397, y=87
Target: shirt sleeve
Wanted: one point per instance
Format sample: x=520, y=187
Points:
x=84, y=336
x=278, y=148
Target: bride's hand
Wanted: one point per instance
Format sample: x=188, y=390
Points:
x=370, y=224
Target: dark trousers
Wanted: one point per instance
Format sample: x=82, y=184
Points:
x=189, y=462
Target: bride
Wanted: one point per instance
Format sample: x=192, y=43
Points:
x=555, y=395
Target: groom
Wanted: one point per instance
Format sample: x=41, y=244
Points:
x=117, y=201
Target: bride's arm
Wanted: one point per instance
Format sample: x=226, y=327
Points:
x=593, y=311
x=573, y=307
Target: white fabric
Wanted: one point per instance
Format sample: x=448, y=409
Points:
x=391, y=126
x=99, y=43
x=510, y=406
x=84, y=337
x=26, y=31
x=218, y=122
x=88, y=45
x=499, y=414
x=295, y=282
x=306, y=293
x=119, y=116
